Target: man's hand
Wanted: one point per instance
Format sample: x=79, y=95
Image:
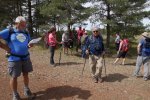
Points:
x=103, y=53
x=87, y=52
x=8, y=49
x=118, y=52
x=30, y=45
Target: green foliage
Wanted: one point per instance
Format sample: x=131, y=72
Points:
x=66, y=11
x=121, y=16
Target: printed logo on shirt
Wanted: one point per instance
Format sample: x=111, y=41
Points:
x=21, y=37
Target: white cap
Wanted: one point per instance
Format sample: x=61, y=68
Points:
x=19, y=19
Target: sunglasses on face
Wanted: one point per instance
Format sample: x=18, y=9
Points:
x=95, y=31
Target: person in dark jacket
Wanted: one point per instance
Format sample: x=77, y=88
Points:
x=95, y=49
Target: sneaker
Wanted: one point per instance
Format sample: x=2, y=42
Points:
x=54, y=65
x=29, y=94
x=16, y=97
x=137, y=76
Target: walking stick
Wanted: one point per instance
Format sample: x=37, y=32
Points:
x=104, y=65
x=60, y=56
x=84, y=65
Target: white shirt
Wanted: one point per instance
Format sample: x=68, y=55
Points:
x=117, y=40
x=64, y=37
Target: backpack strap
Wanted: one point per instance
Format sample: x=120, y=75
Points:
x=11, y=31
x=91, y=37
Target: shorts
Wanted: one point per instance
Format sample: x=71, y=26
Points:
x=70, y=44
x=122, y=54
x=16, y=67
x=65, y=44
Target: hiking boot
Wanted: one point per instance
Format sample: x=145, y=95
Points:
x=137, y=76
x=16, y=97
x=123, y=64
x=100, y=80
x=52, y=65
x=145, y=78
x=95, y=80
x=29, y=94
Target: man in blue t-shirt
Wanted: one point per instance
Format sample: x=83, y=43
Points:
x=143, y=50
x=17, y=44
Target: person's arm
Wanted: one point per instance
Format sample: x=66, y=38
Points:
x=120, y=46
x=4, y=46
x=30, y=44
x=55, y=39
x=139, y=49
x=4, y=35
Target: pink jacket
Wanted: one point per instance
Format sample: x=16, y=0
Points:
x=52, y=39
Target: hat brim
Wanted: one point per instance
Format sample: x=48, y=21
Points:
x=146, y=36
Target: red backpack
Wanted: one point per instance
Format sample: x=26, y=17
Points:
x=125, y=45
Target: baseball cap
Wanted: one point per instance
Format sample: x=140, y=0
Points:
x=20, y=19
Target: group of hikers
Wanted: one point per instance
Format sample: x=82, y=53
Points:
x=17, y=45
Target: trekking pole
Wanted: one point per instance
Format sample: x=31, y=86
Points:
x=84, y=65
x=104, y=65
x=60, y=56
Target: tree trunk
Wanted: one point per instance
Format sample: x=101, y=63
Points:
x=20, y=7
x=30, y=27
x=108, y=26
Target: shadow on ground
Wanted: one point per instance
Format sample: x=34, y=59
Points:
x=131, y=64
x=61, y=92
x=68, y=63
x=115, y=77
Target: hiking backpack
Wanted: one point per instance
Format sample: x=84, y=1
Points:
x=146, y=47
x=125, y=45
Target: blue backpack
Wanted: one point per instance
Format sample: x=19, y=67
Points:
x=146, y=47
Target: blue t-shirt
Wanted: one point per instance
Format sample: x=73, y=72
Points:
x=17, y=42
x=145, y=47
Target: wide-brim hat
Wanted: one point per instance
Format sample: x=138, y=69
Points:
x=146, y=34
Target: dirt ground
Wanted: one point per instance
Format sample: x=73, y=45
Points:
x=66, y=82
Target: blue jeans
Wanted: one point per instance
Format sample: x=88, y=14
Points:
x=142, y=61
x=83, y=48
x=139, y=63
x=146, y=62
x=52, y=51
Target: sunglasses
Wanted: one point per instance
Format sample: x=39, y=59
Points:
x=95, y=31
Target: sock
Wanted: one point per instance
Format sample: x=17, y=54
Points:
x=26, y=88
x=15, y=93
